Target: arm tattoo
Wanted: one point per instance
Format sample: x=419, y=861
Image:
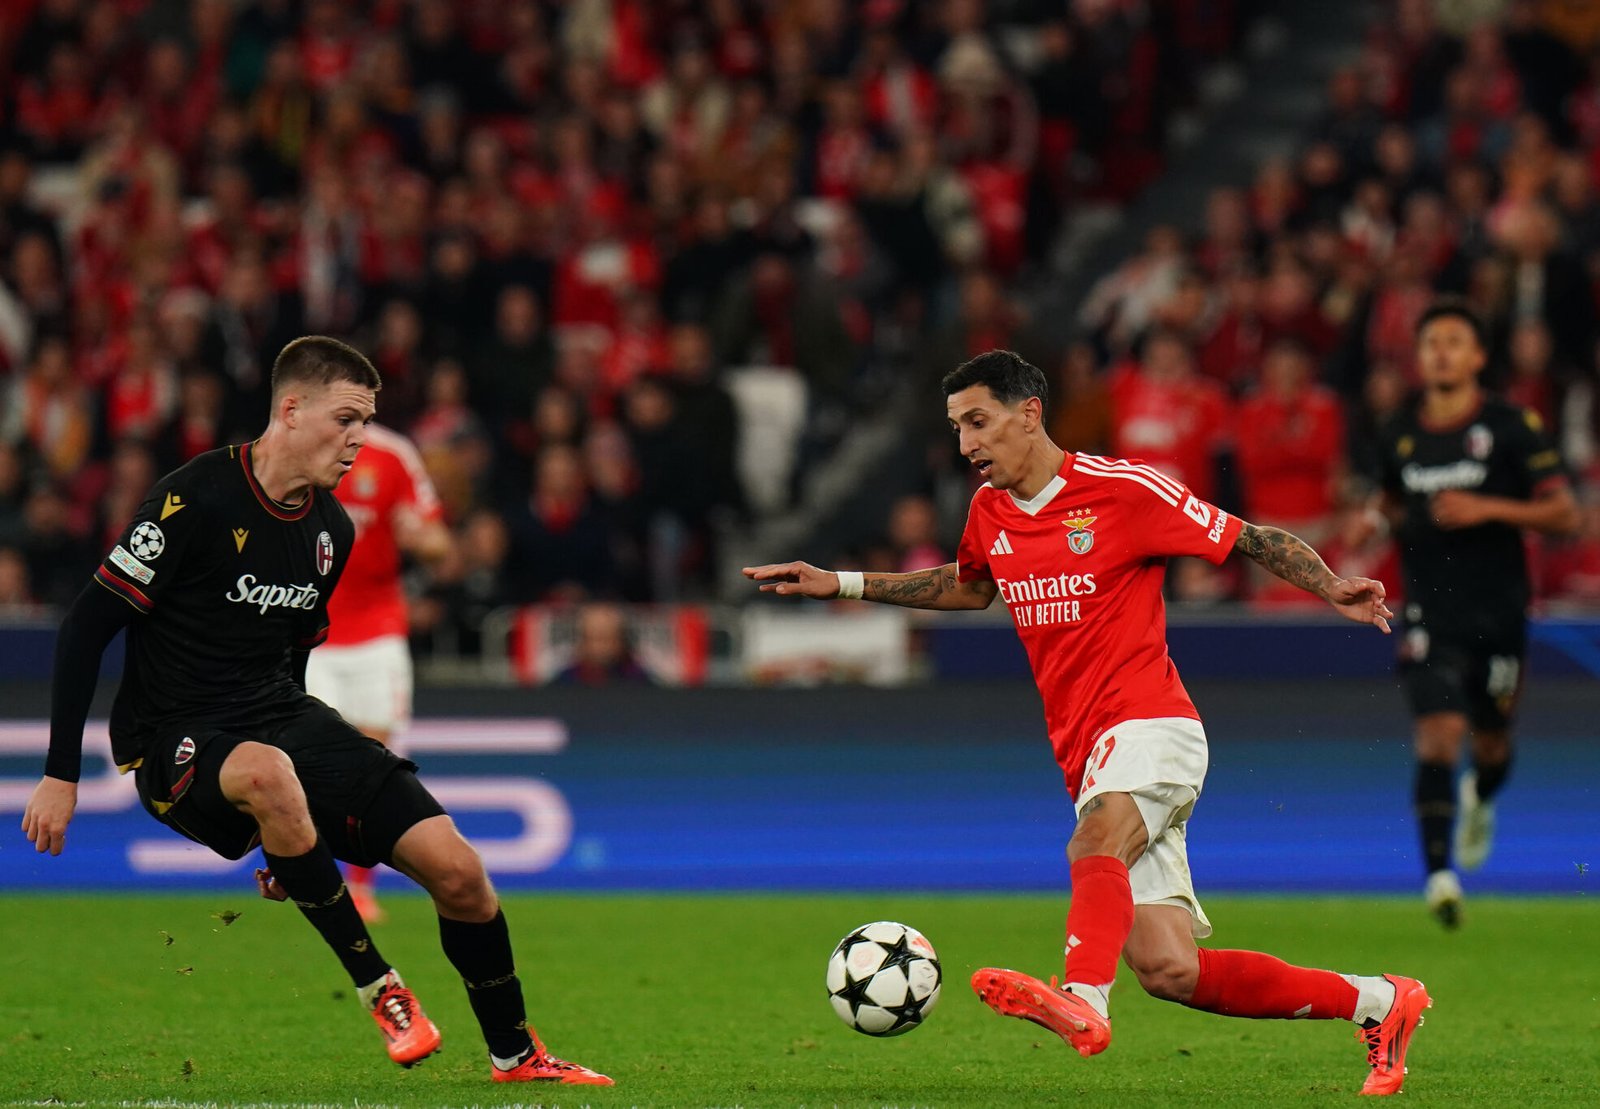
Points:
x=1286, y=556
x=918, y=589
x=1091, y=804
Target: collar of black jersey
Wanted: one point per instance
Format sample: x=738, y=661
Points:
x=277, y=508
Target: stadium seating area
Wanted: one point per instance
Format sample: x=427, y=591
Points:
x=559, y=228
x=589, y=244
x=1256, y=356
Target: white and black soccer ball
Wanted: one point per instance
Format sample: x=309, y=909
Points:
x=883, y=978
x=147, y=542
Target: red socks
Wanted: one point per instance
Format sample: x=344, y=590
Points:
x=1098, y=920
x=1250, y=984
x=1232, y=983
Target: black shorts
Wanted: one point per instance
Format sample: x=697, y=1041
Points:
x=1479, y=676
x=362, y=796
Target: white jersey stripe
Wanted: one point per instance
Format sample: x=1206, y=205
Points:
x=1130, y=476
x=1172, y=483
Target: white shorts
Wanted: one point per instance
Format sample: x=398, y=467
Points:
x=1162, y=764
x=369, y=684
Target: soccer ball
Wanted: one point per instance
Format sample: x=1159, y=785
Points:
x=883, y=978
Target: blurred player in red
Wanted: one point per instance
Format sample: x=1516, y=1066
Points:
x=363, y=670
x=1077, y=547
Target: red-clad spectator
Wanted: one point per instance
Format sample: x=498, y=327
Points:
x=176, y=99
x=736, y=42
x=640, y=344
x=1230, y=354
x=1288, y=308
x=56, y=113
x=1402, y=296
x=1170, y=417
x=327, y=44
x=232, y=221
x=844, y=144
x=398, y=354
x=1290, y=445
x=197, y=427
x=142, y=393
x=900, y=96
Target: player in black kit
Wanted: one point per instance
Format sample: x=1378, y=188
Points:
x=1464, y=473
x=222, y=579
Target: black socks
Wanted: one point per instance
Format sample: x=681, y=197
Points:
x=314, y=882
x=1436, y=811
x=1491, y=778
x=481, y=954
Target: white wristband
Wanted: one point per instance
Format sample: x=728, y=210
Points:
x=852, y=583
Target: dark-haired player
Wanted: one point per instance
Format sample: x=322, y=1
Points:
x=1077, y=545
x=1463, y=474
x=222, y=579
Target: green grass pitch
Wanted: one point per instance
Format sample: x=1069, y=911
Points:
x=719, y=1001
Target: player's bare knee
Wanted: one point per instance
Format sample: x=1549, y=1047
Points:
x=261, y=777
x=1439, y=737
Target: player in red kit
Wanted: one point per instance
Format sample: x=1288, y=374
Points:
x=363, y=670
x=1077, y=545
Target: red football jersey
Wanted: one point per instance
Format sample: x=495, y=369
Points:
x=387, y=480
x=1081, y=567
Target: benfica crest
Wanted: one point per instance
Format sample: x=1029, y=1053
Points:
x=1079, y=537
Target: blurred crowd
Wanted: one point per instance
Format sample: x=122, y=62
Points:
x=557, y=226
x=563, y=230
x=1256, y=357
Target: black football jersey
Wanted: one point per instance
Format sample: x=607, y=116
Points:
x=228, y=582
x=1470, y=580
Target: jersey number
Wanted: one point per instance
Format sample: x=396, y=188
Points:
x=1098, y=759
x=1197, y=510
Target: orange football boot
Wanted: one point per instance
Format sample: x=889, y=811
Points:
x=1387, y=1040
x=1014, y=994
x=410, y=1035
x=540, y=1066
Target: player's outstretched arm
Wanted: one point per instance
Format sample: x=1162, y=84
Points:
x=1290, y=558
x=938, y=587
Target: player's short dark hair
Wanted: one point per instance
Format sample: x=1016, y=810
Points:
x=1451, y=307
x=1009, y=376
x=319, y=360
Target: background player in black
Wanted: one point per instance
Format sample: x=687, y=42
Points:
x=1463, y=474
x=223, y=578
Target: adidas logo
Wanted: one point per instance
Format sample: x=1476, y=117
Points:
x=1002, y=545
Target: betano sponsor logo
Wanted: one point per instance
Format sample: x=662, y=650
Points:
x=247, y=591
x=1464, y=474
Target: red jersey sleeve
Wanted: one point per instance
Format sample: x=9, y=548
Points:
x=414, y=492
x=1173, y=521
x=972, y=557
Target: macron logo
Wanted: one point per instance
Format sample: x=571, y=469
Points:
x=1001, y=546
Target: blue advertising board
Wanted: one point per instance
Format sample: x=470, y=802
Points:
x=949, y=789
